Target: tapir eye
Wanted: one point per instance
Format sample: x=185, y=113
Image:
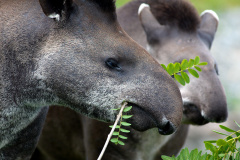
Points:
x=113, y=64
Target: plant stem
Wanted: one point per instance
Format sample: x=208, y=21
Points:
x=113, y=128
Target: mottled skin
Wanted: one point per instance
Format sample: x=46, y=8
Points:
x=74, y=54
x=166, y=43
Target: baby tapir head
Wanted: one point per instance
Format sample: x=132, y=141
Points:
x=174, y=32
x=88, y=63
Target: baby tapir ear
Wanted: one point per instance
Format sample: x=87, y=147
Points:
x=149, y=23
x=56, y=9
x=208, y=26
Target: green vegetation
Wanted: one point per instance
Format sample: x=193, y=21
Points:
x=201, y=5
x=178, y=71
x=221, y=149
x=119, y=128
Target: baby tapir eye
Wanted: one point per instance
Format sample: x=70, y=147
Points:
x=113, y=64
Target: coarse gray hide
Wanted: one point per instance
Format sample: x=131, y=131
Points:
x=73, y=53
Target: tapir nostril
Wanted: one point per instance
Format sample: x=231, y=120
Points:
x=166, y=129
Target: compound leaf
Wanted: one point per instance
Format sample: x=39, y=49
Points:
x=121, y=143
x=170, y=68
x=190, y=63
x=126, y=116
x=164, y=67
x=114, y=140
x=197, y=60
x=125, y=124
x=185, y=77
x=193, y=72
x=115, y=133
x=179, y=79
x=127, y=109
x=198, y=68
x=124, y=130
x=123, y=137
x=203, y=64
x=184, y=65
x=226, y=128
x=177, y=67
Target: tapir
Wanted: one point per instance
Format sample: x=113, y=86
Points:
x=170, y=31
x=73, y=53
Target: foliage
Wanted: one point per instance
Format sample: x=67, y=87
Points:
x=178, y=70
x=116, y=139
x=221, y=149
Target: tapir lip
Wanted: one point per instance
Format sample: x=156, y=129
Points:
x=142, y=120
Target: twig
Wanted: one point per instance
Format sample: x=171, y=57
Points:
x=110, y=134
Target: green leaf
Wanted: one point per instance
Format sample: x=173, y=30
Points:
x=126, y=116
x=114, y=140
x=185, y=77
x=197, y=60
x=124, y=130
x=177, y=67
x=198, y=68
x=121, y=143
x=164, y=67
x=221, y=142
x=170, y=68
x=237, y=156
x=127, y=109
x=167, y=158
x=211, y=141
x=179, y=79
x=115, y=133
x=184, y=65
x=203, y=64
x=190, y=63
x=210, y=147
x=123, y=137
x=193, y=72
x=221, y=155
x=226, y=128
x=185, y=153
x=125, y=124
x=117, y=126
x=220, y=133
x=193, y=154
x=237, y=124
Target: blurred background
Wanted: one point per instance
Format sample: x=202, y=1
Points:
x=226, y=50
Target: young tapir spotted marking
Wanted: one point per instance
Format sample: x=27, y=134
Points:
x=182, y=34
x=73, y=53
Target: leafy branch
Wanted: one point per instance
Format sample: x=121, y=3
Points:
x=116, y=140
x=224, y=149
x=178, y=70
x=121, y=123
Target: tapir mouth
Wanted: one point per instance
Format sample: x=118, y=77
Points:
x=192, y=114
x=143, y=120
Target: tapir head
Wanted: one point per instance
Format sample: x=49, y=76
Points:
x=88, y=63
x=186, y=37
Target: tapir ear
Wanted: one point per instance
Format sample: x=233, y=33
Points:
x=208, y=26
x=56, y=9
x=149, y=23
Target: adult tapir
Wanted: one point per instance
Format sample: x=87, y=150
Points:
x=172, y=31
x=73, y=53
x=178, y=33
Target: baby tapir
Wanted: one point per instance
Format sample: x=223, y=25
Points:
x=73, y=53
